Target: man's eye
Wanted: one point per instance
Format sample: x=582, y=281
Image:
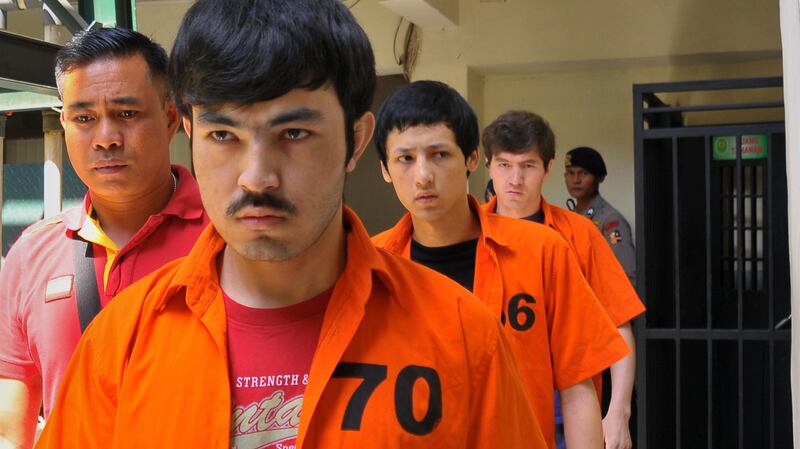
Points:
x=220, y=136
x=296, y=134
x=128, y=114
x=81, y=119
x=404, y=158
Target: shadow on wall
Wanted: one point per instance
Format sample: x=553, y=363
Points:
x=365, y=190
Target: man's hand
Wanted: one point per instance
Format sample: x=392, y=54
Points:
x=616, y=433
x=19, y=407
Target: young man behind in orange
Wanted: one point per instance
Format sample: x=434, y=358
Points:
x=520, y=147
x=427, y=139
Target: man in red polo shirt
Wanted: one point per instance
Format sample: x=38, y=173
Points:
x=520, y=147
x=138, y=214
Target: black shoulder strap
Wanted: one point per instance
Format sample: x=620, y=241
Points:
x=86, y=294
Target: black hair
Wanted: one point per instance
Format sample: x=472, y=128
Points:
x=516, y=132
x=427, y=103
x=89, y=46
x=247, y=51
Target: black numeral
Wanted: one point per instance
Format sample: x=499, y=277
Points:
x=373, y=375
x=404, y=398
x=521, y=317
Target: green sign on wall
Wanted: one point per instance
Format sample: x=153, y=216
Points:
x=754, y=146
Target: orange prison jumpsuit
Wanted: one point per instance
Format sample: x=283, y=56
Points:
x=529, y=278
x=406, y=359
x=599, y=265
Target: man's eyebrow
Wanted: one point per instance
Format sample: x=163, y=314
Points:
x=214, y=117
x=119, y=101
x=301, y=114
x=125, y=101
x=80, y=105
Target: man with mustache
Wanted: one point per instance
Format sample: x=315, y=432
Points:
x=139, y=213
x=285, y=327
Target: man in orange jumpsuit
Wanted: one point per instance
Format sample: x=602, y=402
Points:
x=285, y=327
x=427, y=139
x=520, y=148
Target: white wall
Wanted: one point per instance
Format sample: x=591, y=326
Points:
x=595, y=108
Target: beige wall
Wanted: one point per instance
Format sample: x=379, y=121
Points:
x=595, y=108
x=521, y=35
x=576, y=62
x=160, y=20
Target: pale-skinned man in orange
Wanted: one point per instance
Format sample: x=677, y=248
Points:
x=520, y=148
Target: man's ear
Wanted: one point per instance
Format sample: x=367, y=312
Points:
x=363, y=128
x=385, y=173
x=173, y=116
x=187, y=125
x=473, y=159
x=547, y=170
x=600, y=179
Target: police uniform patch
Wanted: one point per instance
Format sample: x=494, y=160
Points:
x=614, y=237
x=611, y=224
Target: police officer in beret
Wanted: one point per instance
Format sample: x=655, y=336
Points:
x=585, y=170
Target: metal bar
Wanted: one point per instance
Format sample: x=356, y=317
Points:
x=769, y=282
x=641, y=232
x=717, y=334
x=771, y=394
x=740, y=287
x=676, y=277
x=702, y=131
x=723, y=84
x=709, y=393
x=38, y=57
x=714, y=107
x=67, y=15
x=769, y=240
x=707, y=158
x=753, y=227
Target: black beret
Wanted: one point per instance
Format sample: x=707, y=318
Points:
x=588, y=159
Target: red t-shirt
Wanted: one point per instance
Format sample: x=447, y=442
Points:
x=269, y=354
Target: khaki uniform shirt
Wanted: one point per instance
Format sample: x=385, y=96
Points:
x=616, y=230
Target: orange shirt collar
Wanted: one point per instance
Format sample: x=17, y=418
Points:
x=491, y=207
x=198, y=271
x=401, y=233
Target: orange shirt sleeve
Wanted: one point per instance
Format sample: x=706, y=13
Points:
x=583, y=340
x=86, y=404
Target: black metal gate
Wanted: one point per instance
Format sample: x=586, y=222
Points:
x=713, y=264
